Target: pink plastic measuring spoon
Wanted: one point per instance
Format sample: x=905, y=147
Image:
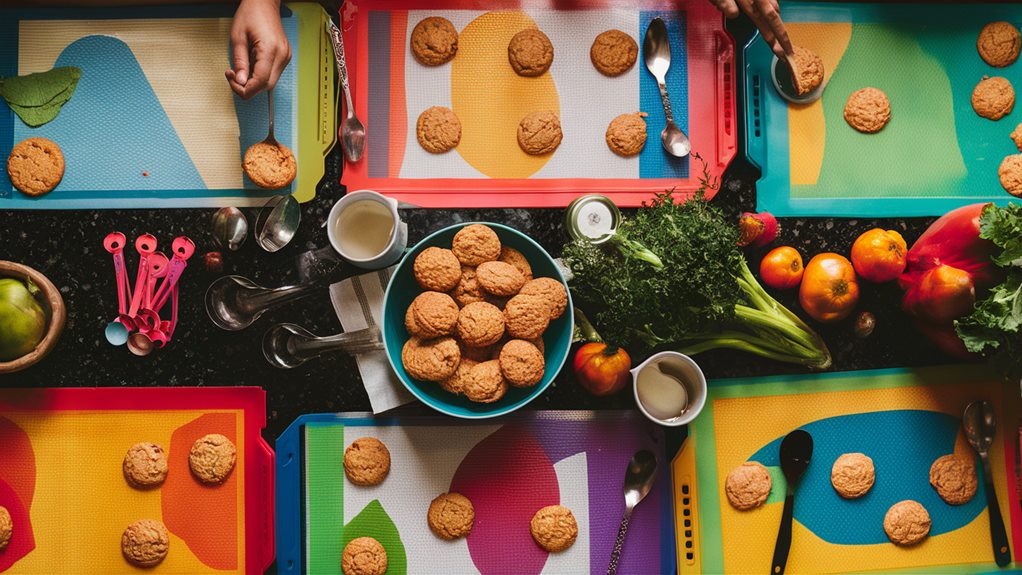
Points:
x=116, y=331
x=183, y=249
x=166, y=332
x=147, y=319
x=146, y=246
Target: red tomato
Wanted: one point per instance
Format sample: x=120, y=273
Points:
x=602, y=369
x=782, y=268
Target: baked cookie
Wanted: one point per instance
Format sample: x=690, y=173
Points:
x=998, y=44
x=954, y=478
x=907, y=523
x=431, y=359
x=451, y=516
x=145, y=543
x=516, y=258
x=366, y=461
x=499, y=278
x=554, y=528
x=434, y=41
x=35, y=166
x=539, y=133
x=456, y=383
x=438, y=129
x=6, y=528
x=475, y=244
x=521, y=363
x=437, y=269
x=1016, y=136
x=530, y=52
x=613, y=52
x=468, y=289
x=807, y=70
x=868, y=110
x=1010, y=174
x=145, y=465
x=211, y=458
x=748, y=485
x=526, y=316
x=993, y=98
x=269, y=166
x=434, y=314
x=626, y=134
x=852, y=475
x=485, y=383
x=480, y=324
x=481, y=354
x=550, y=291
x=364, y=556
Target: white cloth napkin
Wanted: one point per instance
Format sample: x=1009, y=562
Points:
x=358, y=302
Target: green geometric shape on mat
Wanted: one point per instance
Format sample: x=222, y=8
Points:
x=374, y=522
x=917, y=153
x=40, y=88
x=324, y=497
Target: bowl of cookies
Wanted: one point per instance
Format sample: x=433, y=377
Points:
x=477, y=320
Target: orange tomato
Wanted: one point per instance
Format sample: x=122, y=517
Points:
x=602, y=369
x=829, y=289
x=781, y=268
x=879, y=255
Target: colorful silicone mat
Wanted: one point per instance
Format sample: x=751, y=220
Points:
x=935, y=154
x=903, y=420
x=61, y=479
x=509, y=470
x=487, y=168
x=153, y=122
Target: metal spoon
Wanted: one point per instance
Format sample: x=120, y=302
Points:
x=277, y=222
x=353, y=133
x=796, y=451
x=230, y=228
x=656, y=51
x=269, y=136
x=639, y=479
x=980, y=425
x=235, y=302
x=287, y=345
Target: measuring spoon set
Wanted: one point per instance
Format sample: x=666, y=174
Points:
x=138, y=323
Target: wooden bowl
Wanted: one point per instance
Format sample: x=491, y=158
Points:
x=58, y=315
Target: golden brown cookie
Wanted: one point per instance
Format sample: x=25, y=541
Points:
x=807, y=68
x=554, y=528
x=852, y=475
x=211, y=458
x=521, y=363
x=1010, y=174
x=270, y=166
x=530, y=52
x=993, y=98
x=551, y=291
x=526, y=316
x=748, y=485
x=480, y=324
x=998, y=44
x=434, y=314
x=456, y=383
x=475, y=244
x=366, y=461
x=145, y=465
x=364, y=556
x=481, y=354
x=468, y=289
x=438, y=129
x=485, y=382
x=431, y=359
x=626, y=134
x=516, y=258
x=437, y=269
x=539, y=133
x=954, y=478
x=35, y=166
x=451, y=516
x=1016, y=136
x=613, y=52
x=434, y=41
x=907, y=523
x=499, y=278
x=410, y=326
x=868, y=110
x=145, y=543
x=6, y=527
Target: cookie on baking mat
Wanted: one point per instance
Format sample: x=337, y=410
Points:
x=451, y=516
x=530, y=52
x=852, y=475
x=907, y=523
x=613, y=52
x=35, y=166
x=212, y=458
x=367, y=461
x=364, y=556
x=954, y=478
x=868, y=110
x=554, y=528
x=748, y=485
x=438, y=129
x=270, y=166
x=626, y=134
x=434, y=41
x=145, y=543
x=998, y=44
x=145, y=465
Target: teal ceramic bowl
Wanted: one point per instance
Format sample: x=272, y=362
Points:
x=403, y=288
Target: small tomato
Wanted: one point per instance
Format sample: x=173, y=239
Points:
x=781, y=268
x=602, y=369
x=829, y=290
x=879, y=255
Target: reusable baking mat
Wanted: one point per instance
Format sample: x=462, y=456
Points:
x=61, y=479
x=487, y=168
x=508, y=469
x=153, y=122
x=903, y=420
x=936, y=154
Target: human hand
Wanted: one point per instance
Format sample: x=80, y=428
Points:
x=766, y=15
x=259, y=47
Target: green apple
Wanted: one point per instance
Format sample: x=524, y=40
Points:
x=22, y=319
